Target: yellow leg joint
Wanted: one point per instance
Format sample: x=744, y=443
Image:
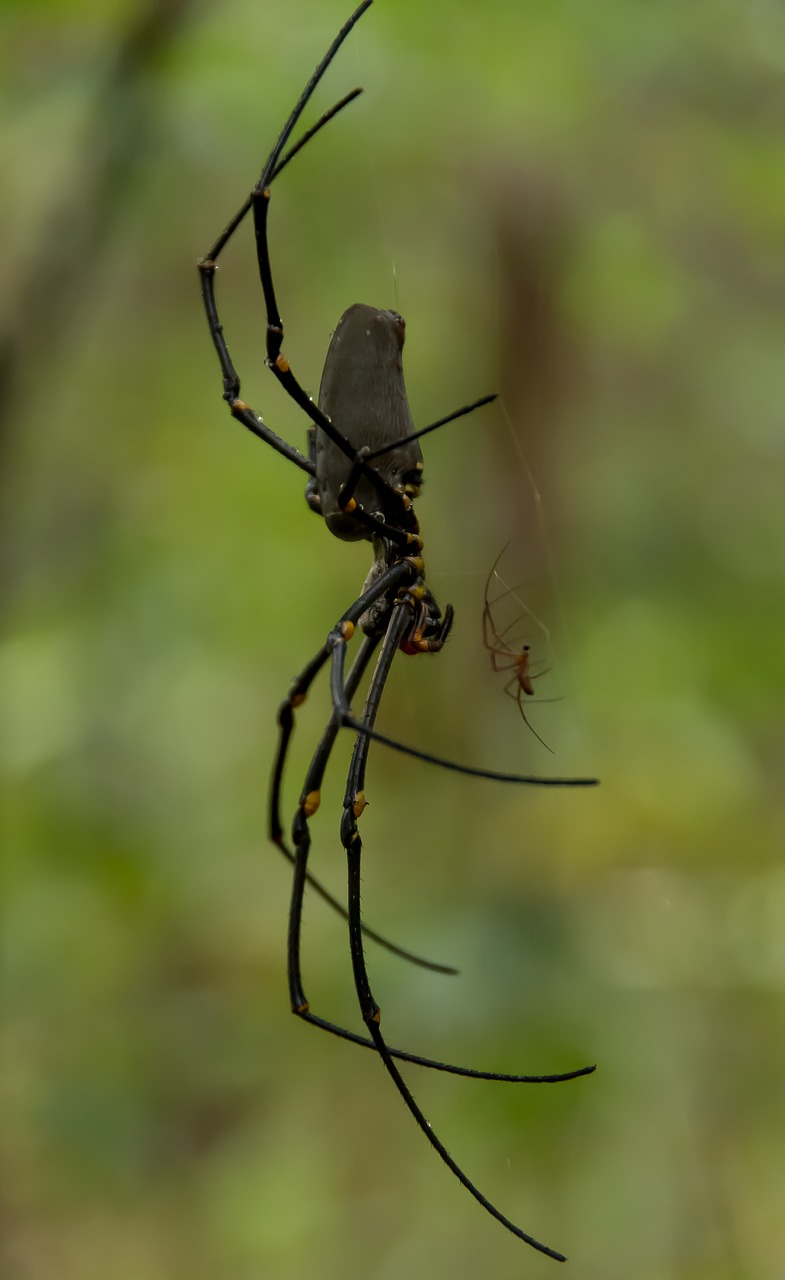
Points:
x=303, y=1008
x=377, y=1017
x=347, y=630
x=282, y=364
x=297, y=699
x=360, y=804
x=311, y=803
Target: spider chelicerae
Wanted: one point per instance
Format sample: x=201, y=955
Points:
x=364, y=469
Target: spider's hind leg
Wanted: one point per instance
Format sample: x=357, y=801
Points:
x=336, y=644
x=354, y=803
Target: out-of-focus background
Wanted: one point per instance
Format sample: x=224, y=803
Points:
x=582, y=207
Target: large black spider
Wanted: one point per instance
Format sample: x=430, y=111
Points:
x=364, y=468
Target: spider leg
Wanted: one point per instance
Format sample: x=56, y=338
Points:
x=299, y=1003
x=489, y=638
x=309, y=801
x=499, y=635
x=449, y=1068
x=487, y=616
x=342, y=631
x=277, y=362
x=507, y=591
x=502, y=666
x=354, y=803
x=488, y=621
x=245, y=207
x=518, y=698
x=493, y=639
x=392, y=498
x=349, y=721
x=208, y=266
x=298, y=692
x=364, y=456
x=260, y=201
x=441, y=422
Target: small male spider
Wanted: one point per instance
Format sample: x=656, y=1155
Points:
x=364, y=469
x=506, y=656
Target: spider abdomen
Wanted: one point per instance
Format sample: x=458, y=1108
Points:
x=363, y=392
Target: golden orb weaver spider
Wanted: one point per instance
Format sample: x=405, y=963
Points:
x=364, y=468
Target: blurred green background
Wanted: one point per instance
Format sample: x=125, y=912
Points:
x=582, y=207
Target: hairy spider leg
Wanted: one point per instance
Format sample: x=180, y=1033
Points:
x=354, y=803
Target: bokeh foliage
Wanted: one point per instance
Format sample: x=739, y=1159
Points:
x=584, y=206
